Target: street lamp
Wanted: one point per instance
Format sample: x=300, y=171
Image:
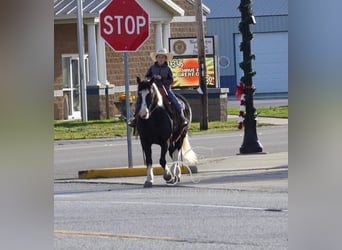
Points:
x=250, y=143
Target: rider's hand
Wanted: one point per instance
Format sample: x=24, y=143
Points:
x=158, y=77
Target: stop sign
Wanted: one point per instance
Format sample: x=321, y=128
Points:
x=124, y=25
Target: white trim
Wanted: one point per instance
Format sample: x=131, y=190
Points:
x=171, y=5
x=120, y=89
x=58, y=92
x=73, y=55
x=186, y=19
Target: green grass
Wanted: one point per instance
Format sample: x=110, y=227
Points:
x=275, y=112
x=67, y=130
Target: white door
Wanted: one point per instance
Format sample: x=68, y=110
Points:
x=271, y=61
x=71, y=86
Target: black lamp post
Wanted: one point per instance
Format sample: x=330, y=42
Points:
x=250, y=143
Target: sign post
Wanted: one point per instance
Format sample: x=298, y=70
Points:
x=124, y=25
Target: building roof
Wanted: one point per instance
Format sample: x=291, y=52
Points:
x=64, y=9
x=229, y=8
x=67, y=9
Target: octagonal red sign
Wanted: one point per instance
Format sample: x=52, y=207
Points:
x=124, y=25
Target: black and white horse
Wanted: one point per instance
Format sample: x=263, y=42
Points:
x=155, y=125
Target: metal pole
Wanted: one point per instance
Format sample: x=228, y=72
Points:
x=128, y=112
x=80, y=37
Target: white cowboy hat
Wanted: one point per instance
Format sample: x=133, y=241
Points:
x=162, y=51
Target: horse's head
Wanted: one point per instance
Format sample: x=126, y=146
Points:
x=150, y=97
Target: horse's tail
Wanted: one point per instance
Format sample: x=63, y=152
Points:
x=187, y=151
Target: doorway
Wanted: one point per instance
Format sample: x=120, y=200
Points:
x=71, y=85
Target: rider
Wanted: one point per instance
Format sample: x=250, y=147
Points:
x=162, y=74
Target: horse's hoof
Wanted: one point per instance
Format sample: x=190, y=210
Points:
x=148, y=184
x=167, y=177
x=171, y=181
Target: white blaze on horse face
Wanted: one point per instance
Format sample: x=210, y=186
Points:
x=144, y=112
x=160, y=98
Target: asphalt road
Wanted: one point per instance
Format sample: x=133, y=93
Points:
x=74, y=156
x=130, y=217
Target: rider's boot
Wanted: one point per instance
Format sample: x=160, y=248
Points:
x=133, y=122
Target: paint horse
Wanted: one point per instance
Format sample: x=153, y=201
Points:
x=156, y=124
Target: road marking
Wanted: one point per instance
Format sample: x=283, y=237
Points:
x=113, y=235
x=199, y=205
x=140, y=203
x=82, y=146
x=136, y=142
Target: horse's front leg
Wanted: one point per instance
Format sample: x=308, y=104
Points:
x=149, y=177
x=148, y=162
x=167, y=175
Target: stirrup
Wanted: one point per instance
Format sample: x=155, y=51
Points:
x=184, y=121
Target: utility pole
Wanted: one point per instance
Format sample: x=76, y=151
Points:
x=251, y=143
x=202, y=70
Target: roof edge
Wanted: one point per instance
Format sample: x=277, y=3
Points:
x=172, y=7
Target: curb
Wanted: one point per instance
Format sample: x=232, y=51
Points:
x=126, y=172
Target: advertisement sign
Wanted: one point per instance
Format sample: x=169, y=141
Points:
x=185, y=72
x=188, y=46
x=184, y=64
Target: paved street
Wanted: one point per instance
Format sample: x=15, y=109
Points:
x=130, y=217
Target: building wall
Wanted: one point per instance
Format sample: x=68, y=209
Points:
x=227, y=28
x=65, y=42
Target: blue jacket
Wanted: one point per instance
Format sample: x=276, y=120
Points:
x=164, y=71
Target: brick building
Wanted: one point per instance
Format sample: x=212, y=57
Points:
x=105, y=77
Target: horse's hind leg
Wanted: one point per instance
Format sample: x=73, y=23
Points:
x=175, y=168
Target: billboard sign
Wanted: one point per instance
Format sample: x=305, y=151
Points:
x=184, y=64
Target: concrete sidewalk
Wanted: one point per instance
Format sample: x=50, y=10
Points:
x=237, y=171
x=253, y=172
x=265, y=171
